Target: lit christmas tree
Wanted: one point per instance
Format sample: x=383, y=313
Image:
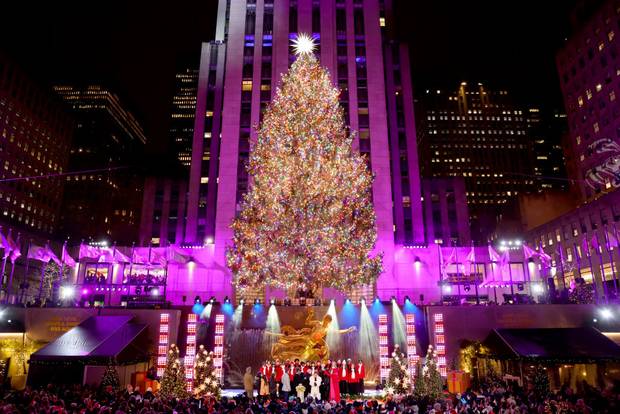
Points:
x=398, y=379
x=110, y=378
x=205, y=380
x=173, y=384
x=419, y=386
x=308, y=220
x=433, y=383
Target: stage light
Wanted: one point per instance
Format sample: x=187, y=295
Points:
x=226, y=299
x=537, y=288
x=332, y=302
x=242, y=302
x=363, y=302
x=257, y=301
x=155, y=292
x=606, y=313
x=272, y=301
x=347, y=301
x=377, y=300
x=1, y=314
x=530, y=260
x=67, y=292
x=85, y=291
x=447, y=289
x=212, y=300
x=393, y=299
x=467, y=288
x=407, y=299
x=197, y=299
x=209, y=240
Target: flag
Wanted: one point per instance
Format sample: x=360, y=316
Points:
x=612, y=241
x=4, y=244
x=139, y=258
x=528, y=252
x=544, y=257
x=113, y=255
x=66, y=258
x=594, y=243
x=14, y=246
x=585, y=247
x=469, y=259
x=493, y=255
x=90, y=252
x=42, y=254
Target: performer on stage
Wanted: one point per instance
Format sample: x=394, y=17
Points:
x=334, y=379
x=352, y=379
x=343, y=374
x=315, y=384
x=324, y=373
x=361, y=375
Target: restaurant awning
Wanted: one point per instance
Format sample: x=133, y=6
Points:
x=561, y=345
x=98, y=340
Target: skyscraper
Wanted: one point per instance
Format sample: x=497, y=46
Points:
x=589, y=70
x=480, y=135
x=35, y=137
x=239, y=72
x=547, y=130
x=105, y=200
x=183, y=113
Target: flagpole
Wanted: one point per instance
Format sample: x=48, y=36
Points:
x=9, y=287
x=562, y=266
x=600, y=261
x=611, y=257
x=591, y=269
x=42, y=276
x=440, y=272
x=7, y=251
x=475, y=274
x=23, y=284
x=458, y=275
x=62, y=264
x=133, y=248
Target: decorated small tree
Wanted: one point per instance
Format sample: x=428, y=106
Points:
x=205, y=380
x=398, y=379
x=173, y=383
x=432, y=378
x=110, y=378
x=540, y=381
x=419, y=386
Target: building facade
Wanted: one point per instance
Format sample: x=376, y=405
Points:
x=445, y=211
x=103, y=202
x=589, y=68
x=183, y=114
x=479, y=135
x=162, y=221
x=35, y=138
x=547, y=130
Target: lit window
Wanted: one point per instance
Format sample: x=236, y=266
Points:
x=382, y=21
x=612, y=96
x=580, y=101
x=204, y=180
x=265, y=87
x=588, y=94
x=599, y=87
x=578, y=139
x=596, y=128
x=246, y=85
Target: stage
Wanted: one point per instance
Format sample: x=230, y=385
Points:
x=233, y=392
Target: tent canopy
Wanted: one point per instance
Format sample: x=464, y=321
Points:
x=584, y=344
x=97, y=341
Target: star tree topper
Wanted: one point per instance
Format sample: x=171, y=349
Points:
x=303, y=44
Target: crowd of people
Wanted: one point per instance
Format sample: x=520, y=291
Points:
x=489, y=398
x=328, y=380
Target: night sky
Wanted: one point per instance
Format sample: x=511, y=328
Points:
x=136, y=46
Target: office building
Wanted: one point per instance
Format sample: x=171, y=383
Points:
x=103, y=202
x=183, y=113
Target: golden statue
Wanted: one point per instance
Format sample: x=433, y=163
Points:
x=307, y=344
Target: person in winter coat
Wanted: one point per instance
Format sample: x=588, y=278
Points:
x=248, y=382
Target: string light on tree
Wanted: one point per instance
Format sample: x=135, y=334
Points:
x=308, y=220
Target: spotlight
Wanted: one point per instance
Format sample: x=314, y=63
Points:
x=407, y=300
x=67, y=292
x=154, y=292
x=257, y=301
x=447, y=289
x=197, y=299
x=467, y=288
x=393, y=299
x=242, y=302
x=332, y=302
x=377, y=300
x=226, y=299
x=347, y=301
x=417, y=260
x=537, y=288
x=209, y=240
x=85, y=291
x=272, y=301
x=212, y=300
x=606, y=313
x=530, y=260
x=363, y=302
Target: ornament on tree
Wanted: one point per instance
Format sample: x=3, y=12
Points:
x=173, y=383
x=308, y=220
x=205, y=379
x=398, y=377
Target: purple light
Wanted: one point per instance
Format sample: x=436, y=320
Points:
x=85, y=291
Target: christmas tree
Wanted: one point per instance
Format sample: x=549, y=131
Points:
x=398, y=379
x=540, y=381
x=308, y=220
x=110, y=378
x=433, y=383
x=205, y=380
x=419, y=386
x=173, y=384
